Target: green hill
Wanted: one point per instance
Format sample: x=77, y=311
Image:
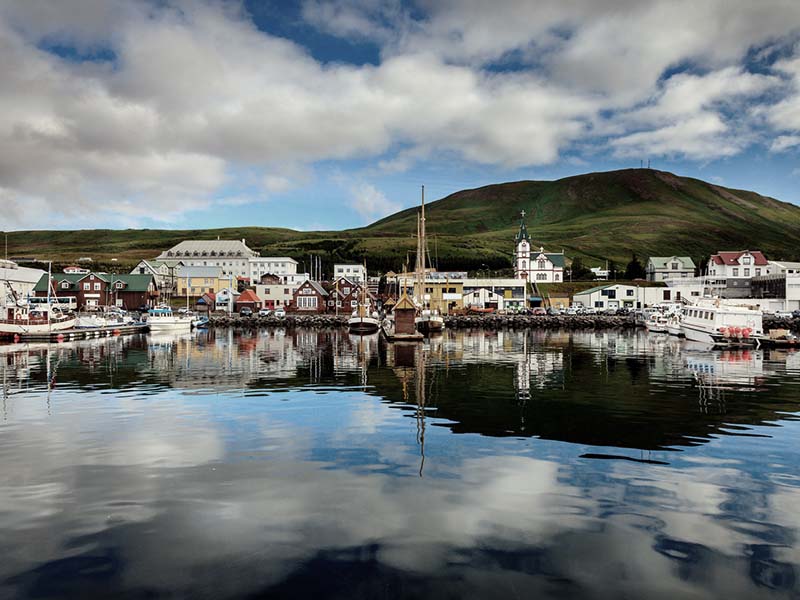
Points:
x=597, y=215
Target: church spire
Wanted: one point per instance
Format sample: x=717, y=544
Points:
x=523, y=231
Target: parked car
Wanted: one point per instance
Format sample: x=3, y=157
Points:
x=571, y=311
x=539, y=311
x=553, y=312
x=264, y=312
x=610, y=312
x=784, y=314
x=246, y=312
x=796, y=314
x=623, y=312
x=591, y=310
x=280, y=313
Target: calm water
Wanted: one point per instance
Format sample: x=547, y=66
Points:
x=315, y=464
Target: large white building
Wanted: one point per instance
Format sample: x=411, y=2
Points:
x=231, y=256
x=536, y=265
x=21, y=279
x=271, y=265
x=355, y=273
x=623, y=296
x=731, y=272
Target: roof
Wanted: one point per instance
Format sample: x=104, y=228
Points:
x=732, y=258
x=556, y=258
x=275, y=259
x=315, y=285
x=785, y=264
x=210, y=295
x=195, y=248
x=596, y=288
x=248, y=296
x=522, y=234
x=13, y=274
x=133, y=282
x=200, y=272
x=405, y=303
x=660, y=262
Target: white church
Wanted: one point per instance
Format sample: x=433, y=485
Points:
x=536, y=265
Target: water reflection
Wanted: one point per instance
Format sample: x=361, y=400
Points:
x=311, y=463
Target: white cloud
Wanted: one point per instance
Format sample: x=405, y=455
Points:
x=784, y=142
x=196, y=93
x=369, y=202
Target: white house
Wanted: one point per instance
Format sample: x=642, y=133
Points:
x=165, y=272
x=600, y=274
x=782, y=267
x=535, y=265
x=512, y=291
x=661, y=268
x=271, y=265
x=623, y=296
x=483, y=298
x=730, y=272
x=355, y=273
x=278, y=291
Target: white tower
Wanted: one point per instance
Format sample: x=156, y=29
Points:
x=522, y=253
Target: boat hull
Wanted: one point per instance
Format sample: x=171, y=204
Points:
x=9, y=329
x=695, y=334
x=430, y=325
x=363, y=325
x=164, y=325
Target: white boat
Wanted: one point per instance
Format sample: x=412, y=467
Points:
x=429, y=319
x=162, y=318
x=657, y=323
x=674, y=324
x=712, y=321
x=22, y=319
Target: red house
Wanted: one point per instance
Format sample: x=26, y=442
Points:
x=310, y=297
x=248, y=299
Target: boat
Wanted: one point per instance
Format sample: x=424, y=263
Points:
x=429, y=319
x=712, y=321
x=361, y=322
x=674, y=324
x=657, y=323
x=161, y=318
x=20, y=318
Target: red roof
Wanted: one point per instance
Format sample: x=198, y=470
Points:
x=247, y=296
x=732, y=258
x=211, y=295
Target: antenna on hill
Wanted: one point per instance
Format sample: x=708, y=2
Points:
x=641, y=164
x=648, y=163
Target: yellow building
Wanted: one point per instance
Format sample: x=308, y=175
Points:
x=442, y=292
x=196, y=281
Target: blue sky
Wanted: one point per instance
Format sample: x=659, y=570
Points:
x=324, y=114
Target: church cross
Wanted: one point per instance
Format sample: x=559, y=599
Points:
x=523, y=214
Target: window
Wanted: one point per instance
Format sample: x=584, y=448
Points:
x=87, y=287
x=346, y=291
x=746, y=260
x=667, y=295
x=598, y=304
x=65, y=285
x=120, y=285
x=428, y=290
x=285, y=291
x=674, y=266
x=541, y=276
x=97, y=287
x=353, y=303
x=736, y=272
x=524, y=265
x=747, y=272
x=629, y=292
x=542, y=264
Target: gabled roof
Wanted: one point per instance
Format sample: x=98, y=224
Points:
x=661, y=262
x=595, y=289
x=316, y=286
x=556, y=258
x=405, y=303
x=199, y=272
x=211, y=296
x=248, y=296
x=133, y=282
x=522, y=234
x=732, y=258
x=196, y=248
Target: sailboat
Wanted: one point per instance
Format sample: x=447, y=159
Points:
x=428, y=320
x=362, y=322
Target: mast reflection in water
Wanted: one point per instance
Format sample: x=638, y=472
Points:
x=305, y=463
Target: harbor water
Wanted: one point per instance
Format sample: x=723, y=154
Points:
x=315, y=464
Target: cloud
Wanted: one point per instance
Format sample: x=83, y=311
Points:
x=370, y=202
x=784, y=142
x=166, y=103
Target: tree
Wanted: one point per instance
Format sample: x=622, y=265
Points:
x=635, y=270
x=578, y=270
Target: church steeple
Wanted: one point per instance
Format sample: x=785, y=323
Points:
x=523, y=230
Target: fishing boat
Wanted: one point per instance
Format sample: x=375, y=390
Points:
x=21, y=318
x=657, y=323
x=712, y=321
x=161, y=318
x=429, y=319
x=362, y=322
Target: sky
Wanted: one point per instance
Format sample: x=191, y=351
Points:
x=327, y=114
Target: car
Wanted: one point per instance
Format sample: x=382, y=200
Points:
x=246, y=311
x=571, y=311
x=591, y=310
x=609, y=312
x=796, y=314
x=539, y=311
x=784, y=314
x=264, y=312
x=623, y=312
x=280, y=313
x=553, y=312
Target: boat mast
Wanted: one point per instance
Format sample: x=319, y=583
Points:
x=49, y=283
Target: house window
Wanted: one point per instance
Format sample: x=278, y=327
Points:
x=120, y=285
x=747, y=272
x=541, y=276
x=736, y=272
x=629, y=292
x=346, y=291
x=65, y=285
x=524, y=265
x=746, y=260
x=758, y=272
x=96, y=287
x=354, y=303
x=87, y=287
x=542, y=264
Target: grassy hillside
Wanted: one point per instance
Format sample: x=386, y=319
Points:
x=598, y=216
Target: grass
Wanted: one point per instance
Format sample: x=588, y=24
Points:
x=598, y=216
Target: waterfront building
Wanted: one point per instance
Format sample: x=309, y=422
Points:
x=345, y=295
x=730, y=272
x=21, y=279
x=661, y=268
x=355, y=273
x=248, y=299
x=311, y=297
x=230, y=256
x=777, y=291
x=623, y=296
x=196, y=281
x=271, y=265
x=91, y=290
x=782, y=267
x=536, y=265
x=164, y=271
x=483, y=298
x=512, y=291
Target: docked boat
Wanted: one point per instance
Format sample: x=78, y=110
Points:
x=362, y=322
x=428, y=319
x=162, y=318
x=21, y=320
x=712, y=321
x=657, y=323
x=674, y=324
